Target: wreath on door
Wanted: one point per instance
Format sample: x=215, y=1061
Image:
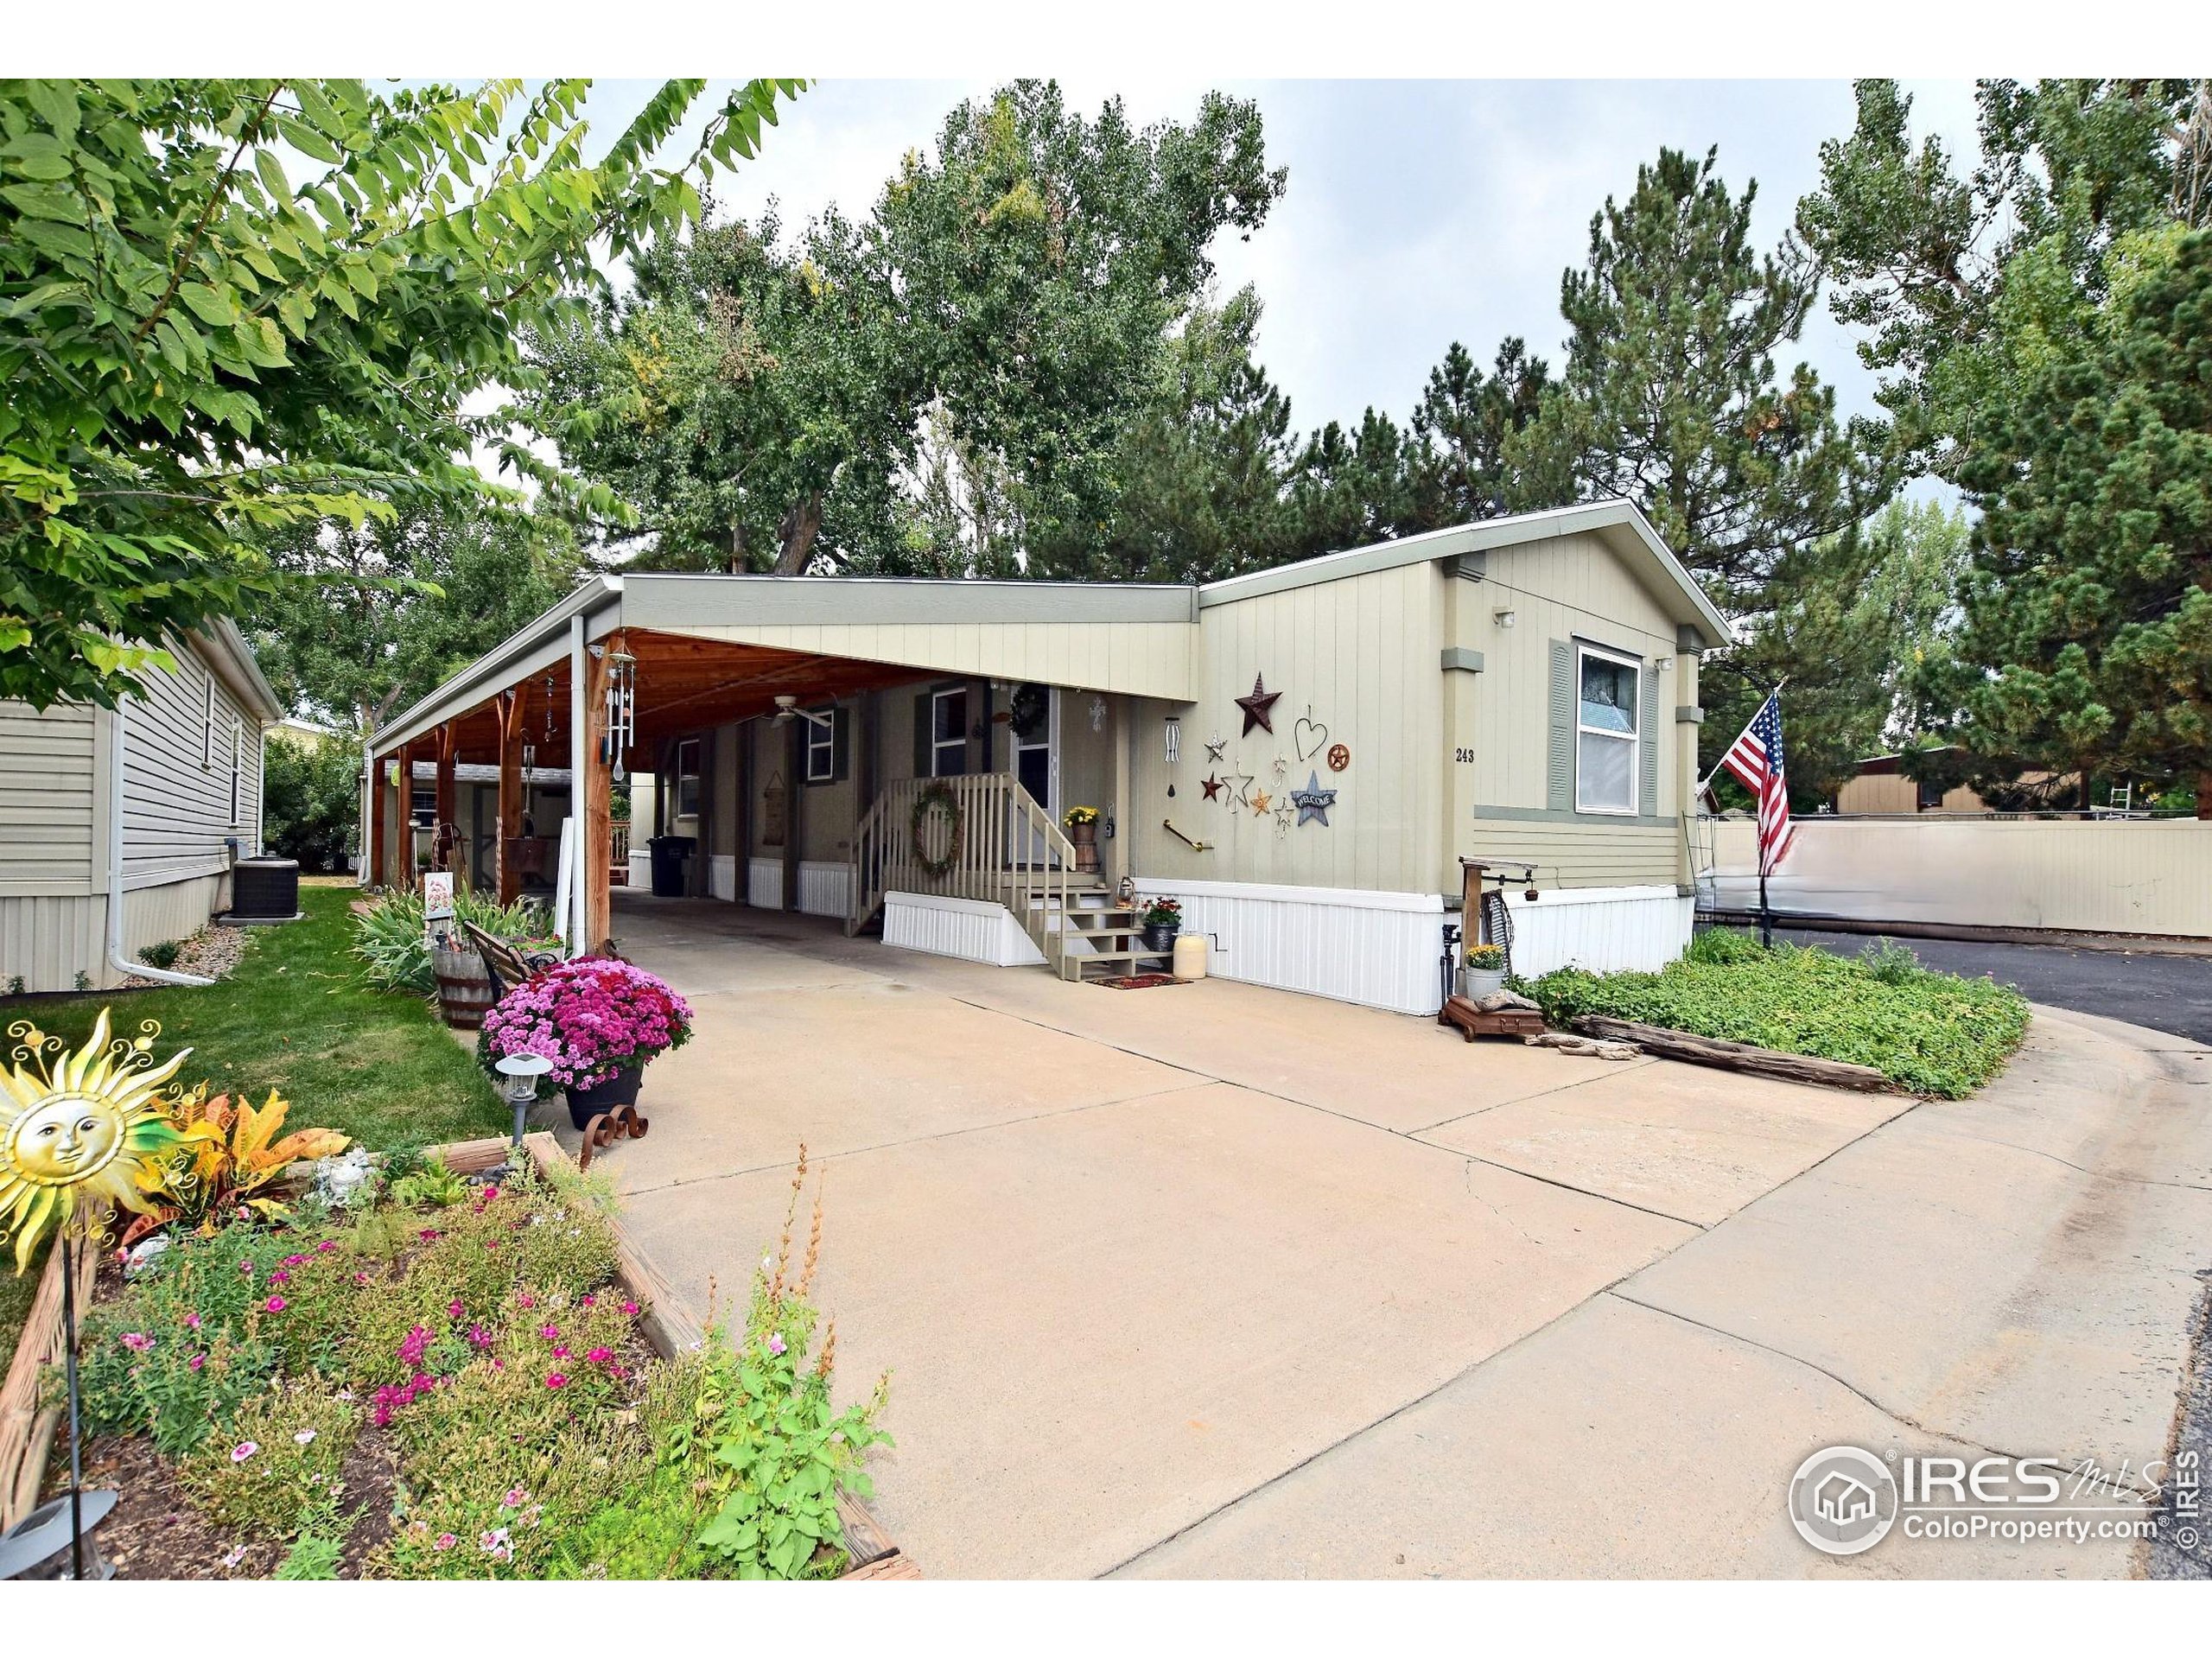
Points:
x=935, y=801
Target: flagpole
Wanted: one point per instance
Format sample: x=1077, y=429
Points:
x=1766, y=912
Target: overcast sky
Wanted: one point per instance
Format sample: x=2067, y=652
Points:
x=1418, y=212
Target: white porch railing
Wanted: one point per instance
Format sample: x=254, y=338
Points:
x=1003, y=848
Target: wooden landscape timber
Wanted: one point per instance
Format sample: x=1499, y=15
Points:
x=1734, y=1056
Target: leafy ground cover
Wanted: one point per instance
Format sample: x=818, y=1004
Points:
x=1931, y=1033
x=296, y=1015
x=445, y=1380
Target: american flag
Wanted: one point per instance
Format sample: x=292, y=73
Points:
x=1754, y=761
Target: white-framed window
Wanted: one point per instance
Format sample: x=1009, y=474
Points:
x=687, y=778
x=208, y=723
x=949, y=733
x=821, y=745
x=238, y=746
x=1607, y=688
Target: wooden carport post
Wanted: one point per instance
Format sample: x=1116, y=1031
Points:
x=379, y=850
x=448, y=803
x=598, y=799
x=507, y=711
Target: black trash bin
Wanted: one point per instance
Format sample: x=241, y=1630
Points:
x=669, y=853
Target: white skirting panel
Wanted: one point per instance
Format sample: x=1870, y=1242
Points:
x=722, y=874
x=764, y=883
x=47, y=942
x=1384, y=950
x=825, y=888
x=973, y=929
x=1606, y=930
x=641, y=872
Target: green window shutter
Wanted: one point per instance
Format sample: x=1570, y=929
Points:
x=1558, y=768
x=922, y=735
x=1647, y=744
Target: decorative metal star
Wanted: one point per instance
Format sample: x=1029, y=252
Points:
x=1239, y=786
x=1282, y=819
x=1213, y=787
x=1314, y=801
x=1259, y=708
x=1260, y=803
x=1216, y=746
x=1282, y=768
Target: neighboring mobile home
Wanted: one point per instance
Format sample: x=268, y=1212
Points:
x=1303, y=756
x=142, y=811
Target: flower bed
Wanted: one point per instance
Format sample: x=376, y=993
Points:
x=476, y=1385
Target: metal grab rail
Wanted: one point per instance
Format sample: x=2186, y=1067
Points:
x=1009, y=852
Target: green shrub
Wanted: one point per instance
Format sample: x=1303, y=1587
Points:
x=164, y=954
x=1721, y=945
x=1932, y=1033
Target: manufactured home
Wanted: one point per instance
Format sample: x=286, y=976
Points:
x=1306, y=757
x=119, y=828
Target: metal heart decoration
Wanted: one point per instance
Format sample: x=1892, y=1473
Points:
x=1307, y=724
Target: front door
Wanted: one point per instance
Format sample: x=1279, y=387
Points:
x=1034, y=720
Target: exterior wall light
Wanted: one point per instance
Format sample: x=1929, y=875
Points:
x=1503, y=617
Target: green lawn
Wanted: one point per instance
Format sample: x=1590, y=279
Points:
x=295, y=1016
x=1931, y=1033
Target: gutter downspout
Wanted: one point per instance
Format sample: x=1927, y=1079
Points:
x=115, y=959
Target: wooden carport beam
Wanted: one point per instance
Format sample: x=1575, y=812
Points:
x=508, y=709
x=379, y=821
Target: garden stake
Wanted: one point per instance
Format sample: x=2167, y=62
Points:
x=76, y=1425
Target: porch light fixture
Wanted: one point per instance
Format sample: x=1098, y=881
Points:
x=518, y=1076
x=1173, y=728
x=1502, y=616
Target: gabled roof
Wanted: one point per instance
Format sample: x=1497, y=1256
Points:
x=1619, y=524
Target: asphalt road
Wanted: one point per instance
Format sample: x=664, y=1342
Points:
x=2172, y=994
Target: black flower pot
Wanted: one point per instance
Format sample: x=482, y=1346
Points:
x=620, y=1089
x=1160, y=938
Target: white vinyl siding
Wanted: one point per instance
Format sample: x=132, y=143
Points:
x=49, y=800
x=178, y=813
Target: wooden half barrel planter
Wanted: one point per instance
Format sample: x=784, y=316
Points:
x=27, y=1432
x=464, y=986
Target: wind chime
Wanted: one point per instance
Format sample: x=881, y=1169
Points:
x=621, y=709
x=529, y=749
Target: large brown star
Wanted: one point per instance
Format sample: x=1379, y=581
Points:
x=1259, y=708
x=1213, y=786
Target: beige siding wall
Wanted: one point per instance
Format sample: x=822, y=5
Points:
x=184, y=746
x=1570, y=589
x=1144, y=658
x=1360, y=656
x=50, y=790
x=1893, y=792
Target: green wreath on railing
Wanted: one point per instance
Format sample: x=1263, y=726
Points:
x=936, y=795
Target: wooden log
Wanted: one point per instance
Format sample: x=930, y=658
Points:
x=1734, y=1056
x=26, y=1431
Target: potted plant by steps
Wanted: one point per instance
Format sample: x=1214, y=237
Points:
x=1485, y=971
x=598, y=1020
x=1082, y=830
x=1163, y=920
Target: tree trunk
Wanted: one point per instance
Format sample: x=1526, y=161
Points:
x=2204, y=795
x=737, y=550
x=799, y=530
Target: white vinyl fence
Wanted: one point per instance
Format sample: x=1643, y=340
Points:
x=2074, y=875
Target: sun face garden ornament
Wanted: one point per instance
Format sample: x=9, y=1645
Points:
x=79, y=1130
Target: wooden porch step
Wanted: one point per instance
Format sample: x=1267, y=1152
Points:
x=1120, y=956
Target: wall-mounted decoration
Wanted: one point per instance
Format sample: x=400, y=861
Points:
x=1212, y=786
x=775, y=818
x=1281, y=768
x=1313, y=802
x=1259, y=708
x=1239, y=786
x=1172, y=729
x=1285, y=816
x=1260, y=803
x=1310, y=735
x=1216, y=745
x=1098, y=714
x=933, y=830
x=1339, y=756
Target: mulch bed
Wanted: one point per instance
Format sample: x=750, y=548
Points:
x=210, y=953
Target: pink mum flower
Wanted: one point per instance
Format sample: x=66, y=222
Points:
x=557, y=1381
x=560, y=1353
x=599, y=1355
x=276, y=1305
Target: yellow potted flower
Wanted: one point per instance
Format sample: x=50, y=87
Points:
x=1082, y=830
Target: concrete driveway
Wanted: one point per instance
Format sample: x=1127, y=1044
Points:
x=1215, y=1280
